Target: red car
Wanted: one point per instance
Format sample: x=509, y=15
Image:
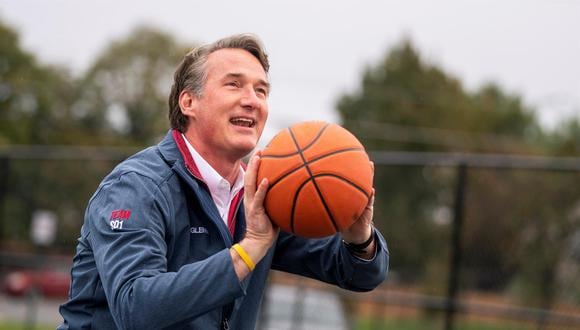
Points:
x=46, y=282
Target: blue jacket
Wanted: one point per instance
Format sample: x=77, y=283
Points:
x=153, y=253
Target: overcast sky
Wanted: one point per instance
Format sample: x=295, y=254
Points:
x=318, y=48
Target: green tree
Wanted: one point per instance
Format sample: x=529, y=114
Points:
x=35, y=104
x=565, y=139
x=34, y=99
x=120, y=100
x=404, y=103
x=124, y=93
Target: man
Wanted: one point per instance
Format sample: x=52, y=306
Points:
x=167, y=241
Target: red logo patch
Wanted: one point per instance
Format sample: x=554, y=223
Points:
x=120, y=215
x=117, y=218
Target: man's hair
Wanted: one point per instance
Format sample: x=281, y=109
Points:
x=191, y=72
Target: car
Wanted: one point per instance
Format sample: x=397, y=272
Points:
x=50, y=283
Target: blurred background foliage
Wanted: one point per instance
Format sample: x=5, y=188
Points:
x=402, y=103
x=519, y=224
x=119, y=101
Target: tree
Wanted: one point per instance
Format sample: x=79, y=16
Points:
x=45, y=105
x=34, y=99
x=125, y=91
x=565, y=139
x=404, y=103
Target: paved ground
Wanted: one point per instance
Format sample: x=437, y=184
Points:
x=299, y=308
x=20, y=309
x=288, y=308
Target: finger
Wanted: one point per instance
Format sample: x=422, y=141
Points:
x=251, y=175
x=256, y=152
x=371, y=197
x=260, y=195
x=371, y=202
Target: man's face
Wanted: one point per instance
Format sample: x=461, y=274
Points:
x=229, y=117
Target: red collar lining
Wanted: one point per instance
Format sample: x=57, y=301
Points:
x=192, y=168
x=189, y=163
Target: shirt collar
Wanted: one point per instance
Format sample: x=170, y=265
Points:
x=211, y=177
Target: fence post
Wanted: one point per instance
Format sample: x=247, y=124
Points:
x=4, y=169
x=456, y=246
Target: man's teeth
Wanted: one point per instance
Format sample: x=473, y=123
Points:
x=243, y=122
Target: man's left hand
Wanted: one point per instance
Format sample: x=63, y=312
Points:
x=362, y=228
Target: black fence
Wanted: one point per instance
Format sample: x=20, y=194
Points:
x=493, y=242
x=477, y=241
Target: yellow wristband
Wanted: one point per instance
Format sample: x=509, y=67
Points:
x=245, y=257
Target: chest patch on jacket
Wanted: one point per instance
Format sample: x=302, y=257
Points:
x=198, y=230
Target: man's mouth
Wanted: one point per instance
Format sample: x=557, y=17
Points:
x=244, y=122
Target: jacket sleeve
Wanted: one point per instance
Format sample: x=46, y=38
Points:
x=128, y=220
x=329, y=261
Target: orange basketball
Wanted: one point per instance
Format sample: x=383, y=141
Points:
x=320, y=179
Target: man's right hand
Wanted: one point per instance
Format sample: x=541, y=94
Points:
x=261, y=233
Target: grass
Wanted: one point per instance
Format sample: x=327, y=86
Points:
x=426, y=324
x=22, y=325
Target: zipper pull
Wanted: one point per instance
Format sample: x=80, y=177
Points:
x=225, y=324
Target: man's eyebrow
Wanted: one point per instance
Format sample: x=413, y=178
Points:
x=265, y=83
x=240, y=75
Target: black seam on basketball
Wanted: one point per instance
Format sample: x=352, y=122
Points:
x=345, y=180
x=312, y=161
x=294, y=205
x=307, y=146
x=312, y=177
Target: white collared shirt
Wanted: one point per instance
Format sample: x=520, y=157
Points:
x=221, y=191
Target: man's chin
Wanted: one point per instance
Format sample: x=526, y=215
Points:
x=243, y=151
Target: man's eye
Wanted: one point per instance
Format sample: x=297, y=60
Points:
x=262, y=91
x=233, y=83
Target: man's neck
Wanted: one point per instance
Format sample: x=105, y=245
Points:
x=229, y=169
x=226, y=166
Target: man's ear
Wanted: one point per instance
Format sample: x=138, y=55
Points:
x=188, y=103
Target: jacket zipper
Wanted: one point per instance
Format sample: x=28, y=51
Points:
x=225, y=324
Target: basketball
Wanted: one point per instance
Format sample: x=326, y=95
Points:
x=320, y=179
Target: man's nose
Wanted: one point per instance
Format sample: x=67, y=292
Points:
x=250, y=99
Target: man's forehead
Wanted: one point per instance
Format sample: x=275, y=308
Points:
x=227, y=58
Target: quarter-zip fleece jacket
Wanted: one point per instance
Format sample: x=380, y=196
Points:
x=154, y=253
